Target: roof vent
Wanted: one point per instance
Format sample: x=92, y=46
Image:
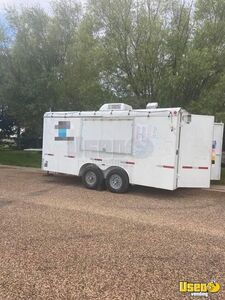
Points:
x=152, y=105
x=115, y=106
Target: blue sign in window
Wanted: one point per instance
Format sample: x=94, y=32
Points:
x=62, y=132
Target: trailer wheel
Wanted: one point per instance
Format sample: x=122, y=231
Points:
x=92, y=178
x=117, y=181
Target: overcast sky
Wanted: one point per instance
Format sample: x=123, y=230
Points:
x=18, y=3
x=43, y=3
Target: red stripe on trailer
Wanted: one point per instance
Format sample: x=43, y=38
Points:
x=70, y=156
x=168, y=167
x=198, y=168
x=98, y=159
x=130, y=162
x=50, y=154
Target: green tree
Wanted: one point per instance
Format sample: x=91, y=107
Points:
x=209, y=47
x=134, y=51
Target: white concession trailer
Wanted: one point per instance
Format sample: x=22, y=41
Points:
x=117, y=146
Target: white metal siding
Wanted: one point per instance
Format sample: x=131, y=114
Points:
x=195, y=152
x=107, y=135
x=217, y=141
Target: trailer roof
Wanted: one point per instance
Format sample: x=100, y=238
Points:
x=114, y=113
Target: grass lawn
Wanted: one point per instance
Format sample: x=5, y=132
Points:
x=222, y=181
x=20, y=158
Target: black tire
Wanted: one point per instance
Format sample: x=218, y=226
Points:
x=92, y=178
x=117, y=181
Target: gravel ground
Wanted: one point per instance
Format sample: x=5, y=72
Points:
x=61, y=241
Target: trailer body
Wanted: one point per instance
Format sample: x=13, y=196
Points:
x=162, y=148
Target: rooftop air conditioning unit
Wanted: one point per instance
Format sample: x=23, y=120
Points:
x=115, y=106
x=152, y=105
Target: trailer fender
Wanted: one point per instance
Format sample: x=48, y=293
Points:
x=106, y=172
x=82, y=169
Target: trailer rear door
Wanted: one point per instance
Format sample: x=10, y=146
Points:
x=217, y=151
x=194, y=163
